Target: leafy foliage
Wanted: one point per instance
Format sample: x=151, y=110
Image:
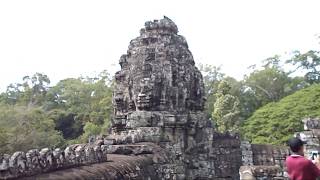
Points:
x=32, y=91
x=24, y=128
x=277, y=121
x=212, y=75
x=35, y=115
x=226, y=109
x=90, y=130
x=74, y=102
x=309, y=62
x=269, y=84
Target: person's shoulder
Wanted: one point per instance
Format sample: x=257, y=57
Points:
x=305, y=161
x=295, y=157
x=298, y=158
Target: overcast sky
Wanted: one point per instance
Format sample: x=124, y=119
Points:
x=69, y=38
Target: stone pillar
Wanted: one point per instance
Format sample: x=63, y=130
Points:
x=247, y=154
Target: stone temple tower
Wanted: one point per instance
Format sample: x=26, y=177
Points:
x=157, y=74
x=159, y=130
x=159, y=98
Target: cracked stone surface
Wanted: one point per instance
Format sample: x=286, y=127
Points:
x=159, y=98
x=159, y=129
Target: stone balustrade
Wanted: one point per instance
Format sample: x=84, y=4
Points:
x=21, y=164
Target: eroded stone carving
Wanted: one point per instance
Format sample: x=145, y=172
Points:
x=59, y=157
x=34, y=161
x=17, y=162
x=157, y=73
x=46, y=159
x=158, y=119
x=4, y=166
x=159, y=98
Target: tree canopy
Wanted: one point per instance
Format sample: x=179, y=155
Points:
x=226, y=109
x=277, y=121
x=35, y=115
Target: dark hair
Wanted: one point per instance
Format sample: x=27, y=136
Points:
x=295, y=144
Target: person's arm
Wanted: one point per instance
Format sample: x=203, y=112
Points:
x=317, y=162
x=314, y=168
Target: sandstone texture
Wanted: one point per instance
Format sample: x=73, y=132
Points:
x=36, y=161
x=159, y=129
x=159, y=98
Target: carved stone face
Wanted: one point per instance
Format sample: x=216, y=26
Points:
x=157, y=74
x=119, y=100
x=4, y=161
x=123, y=61
x=144, y=97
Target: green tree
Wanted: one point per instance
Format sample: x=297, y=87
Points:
x=67, y=123
x=247, y=99
x=276, y=122
x=34, y=115
x=24, y=128
x=268, y=84
x=32, y=91
x=212, y=75
x=308, y=62
x=226, y=109
x=90, y=129
x=74, y=102
x=3, y=140
x=272, y=62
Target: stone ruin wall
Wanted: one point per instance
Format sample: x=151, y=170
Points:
x=268, y=161
x=130, y=161
x=228, y=156
x=263, y=161
x=21, y=164
x=159, y=128
x=268, y=155
x=311, y=135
